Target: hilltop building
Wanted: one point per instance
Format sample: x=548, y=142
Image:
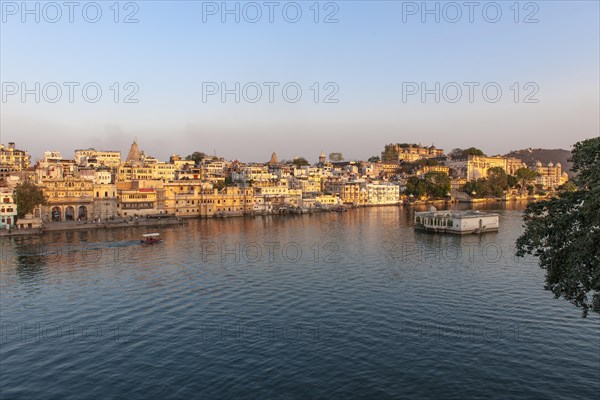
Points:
x=13, y=160
x=550, y=176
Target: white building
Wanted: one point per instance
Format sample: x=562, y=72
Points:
x=456, y=222
x=382, y=194
x=8, y=208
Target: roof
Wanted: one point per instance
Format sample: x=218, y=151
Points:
x=457, y=214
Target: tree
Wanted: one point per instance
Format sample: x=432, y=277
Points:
x=464, y=153
x=480, y=187
x=438, y=184
x=472, y=151
x=300, y=161
x=434, y=184
x=568, y=187
x=564, y=232
x=196, y=156
x=336, y=157
x=512, y=181
x=374, y=159
x=416, y=187
x=456, y=153
x=497, y=181
x=28, y=196
x=526, y=176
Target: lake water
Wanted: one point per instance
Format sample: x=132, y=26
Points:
x=337, y=305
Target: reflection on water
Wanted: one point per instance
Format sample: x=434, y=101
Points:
x=335, y=305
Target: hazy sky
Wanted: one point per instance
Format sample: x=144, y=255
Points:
x=366, y=61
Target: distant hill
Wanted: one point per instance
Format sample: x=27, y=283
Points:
x=531, y=156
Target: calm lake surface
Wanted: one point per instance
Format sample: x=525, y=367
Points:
x=335, y=306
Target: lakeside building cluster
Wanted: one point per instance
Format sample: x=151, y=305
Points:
x=99, y=185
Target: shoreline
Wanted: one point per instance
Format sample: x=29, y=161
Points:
x=79, y=226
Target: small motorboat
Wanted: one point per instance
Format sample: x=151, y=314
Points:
x=151, y=238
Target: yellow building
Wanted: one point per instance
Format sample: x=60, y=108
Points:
x=476, y=167
x=137, y=202
x=354, y=193
x=234, y=200
x=310, y=184
x=328, y=200
x=8, y=208
x=69, y=199
x=550, y=176
x=92, y=157
x=105, y=201
x=334, y=185
x=200, y=199
x=13, y=160
x=164, y=171
x=132, y=172
x=409, y=152
x=422, y=171
x=271, y=191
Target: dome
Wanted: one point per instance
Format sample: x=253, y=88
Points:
x=539, y=163
x=550, y=165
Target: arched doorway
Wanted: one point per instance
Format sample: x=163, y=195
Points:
x=70, y=213
x=56, y=214
x=82, y=213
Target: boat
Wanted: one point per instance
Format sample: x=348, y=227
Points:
x=151, y=238
x=457, y=222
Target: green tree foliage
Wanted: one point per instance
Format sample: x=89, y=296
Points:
x=480, y=187
x=336, y=157
x=497, y=181
x=415, y=187
x=300, y=161
x=196, y=156
x=472, y=151
x=389, y=154
x=494, y=185
x=525, y=176
x=438, y=184
x=568, y=187
x=28, y=196
x=464, y=153
x=564, y=233
x=456, y=153
x=434, y=184
x=374, y=159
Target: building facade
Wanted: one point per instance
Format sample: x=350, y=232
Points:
x=8, y=208
x=13, y=160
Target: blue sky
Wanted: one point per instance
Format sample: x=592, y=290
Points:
x=368, y=55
